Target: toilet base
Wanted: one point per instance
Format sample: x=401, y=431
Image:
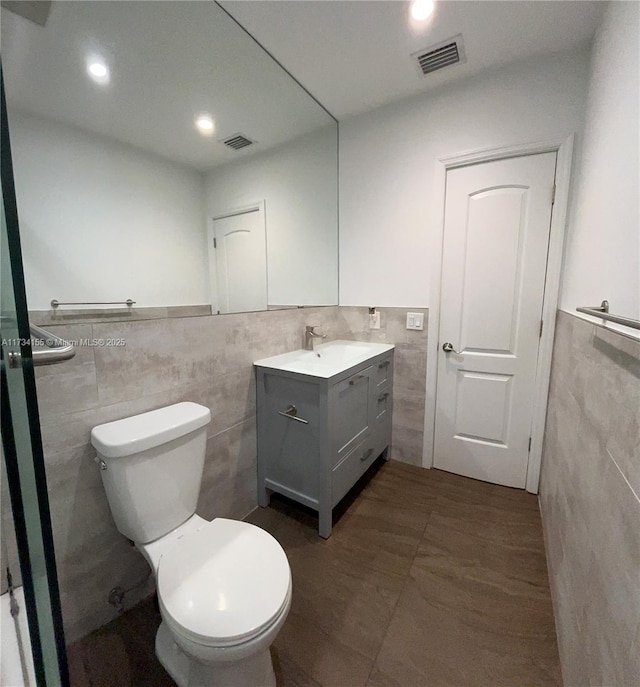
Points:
x=254, y=671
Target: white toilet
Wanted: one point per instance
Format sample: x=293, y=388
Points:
x=224, y=586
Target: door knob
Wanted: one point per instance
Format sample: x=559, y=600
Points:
x=448, y=348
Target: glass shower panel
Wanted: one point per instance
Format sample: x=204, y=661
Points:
x=22, y=447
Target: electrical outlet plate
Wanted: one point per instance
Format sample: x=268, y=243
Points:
x=415, y=320
x=374, y=321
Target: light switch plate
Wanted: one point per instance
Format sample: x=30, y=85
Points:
x=415, y=320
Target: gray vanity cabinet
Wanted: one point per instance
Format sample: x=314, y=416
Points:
x=317, y=436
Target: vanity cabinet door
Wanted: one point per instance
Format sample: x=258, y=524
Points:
x=351, y=413
x=289, y=448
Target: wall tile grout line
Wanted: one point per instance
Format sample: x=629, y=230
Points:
x=624, y=477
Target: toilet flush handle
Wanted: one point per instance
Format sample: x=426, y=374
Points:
x=100, y=462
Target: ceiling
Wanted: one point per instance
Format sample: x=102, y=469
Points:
x=173, y=60
x=354, y=55
x=168, y=65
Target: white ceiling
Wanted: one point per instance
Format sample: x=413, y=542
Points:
x=354, y=55
x=170, y=61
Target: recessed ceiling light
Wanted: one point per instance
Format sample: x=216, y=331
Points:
x=421, y=9
x=204, y=124
x=98, y=71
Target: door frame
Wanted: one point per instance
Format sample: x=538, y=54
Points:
x=563, y=147
x=258, y=206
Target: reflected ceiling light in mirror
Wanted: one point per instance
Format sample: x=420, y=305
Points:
x=422, y=9
x=98, y=71
x=204, y=124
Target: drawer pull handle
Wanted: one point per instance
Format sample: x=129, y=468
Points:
x=381, y=366
x=384, y=397
x=367, y=455
x=356, y=380
x=292, y=413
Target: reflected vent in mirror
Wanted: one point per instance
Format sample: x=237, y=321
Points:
x=37, y=11
x=439, y=56
x=238, y=141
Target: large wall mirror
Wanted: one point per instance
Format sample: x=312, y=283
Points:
x=161, y=155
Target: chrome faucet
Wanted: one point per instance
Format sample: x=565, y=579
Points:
x=310, y=335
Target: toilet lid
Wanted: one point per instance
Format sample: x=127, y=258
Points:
x=224, y=583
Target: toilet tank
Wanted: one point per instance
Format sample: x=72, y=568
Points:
x=151, y=468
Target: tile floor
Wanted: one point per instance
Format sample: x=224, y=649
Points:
x=428, y=579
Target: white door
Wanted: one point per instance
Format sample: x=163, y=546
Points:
x=496, y=237
x=240, y=257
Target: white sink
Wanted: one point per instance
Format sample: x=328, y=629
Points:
x=326, y=360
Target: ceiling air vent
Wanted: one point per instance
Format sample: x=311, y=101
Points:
x=238, y=141
x=439, y=56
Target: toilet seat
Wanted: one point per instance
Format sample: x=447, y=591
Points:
x=225, y=584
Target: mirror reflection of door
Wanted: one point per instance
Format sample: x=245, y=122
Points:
x=94, y=175
x=238, y=258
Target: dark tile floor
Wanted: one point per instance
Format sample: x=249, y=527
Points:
x=428, y=579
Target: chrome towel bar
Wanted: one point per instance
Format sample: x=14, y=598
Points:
x=57, y=350
x=602, y=311
x=55, y=303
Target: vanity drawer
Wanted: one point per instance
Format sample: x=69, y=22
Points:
x=383, y=373
x=382, y=424
x=384, y=403
x=347, y=473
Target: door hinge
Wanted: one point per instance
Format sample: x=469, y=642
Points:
x=553, y=194
x=529, y=444
x=541, y=325
x=215, y=243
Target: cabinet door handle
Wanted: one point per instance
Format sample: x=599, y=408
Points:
x=292, y=413
x=384, y=397
x=386, y=363
x=366, y=455
x=356, y=380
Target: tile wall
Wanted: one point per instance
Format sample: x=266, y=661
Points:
x=590, y=502
x=204, y=359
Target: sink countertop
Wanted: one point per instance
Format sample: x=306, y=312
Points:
x=326, y=360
